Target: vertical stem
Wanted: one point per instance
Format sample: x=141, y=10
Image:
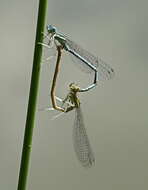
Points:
x=27, y=145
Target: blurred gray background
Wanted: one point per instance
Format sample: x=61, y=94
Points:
x=115, y=112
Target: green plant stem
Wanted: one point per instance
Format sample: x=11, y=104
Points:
x=27, y=145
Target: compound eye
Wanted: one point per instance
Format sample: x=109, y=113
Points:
x=51, y=29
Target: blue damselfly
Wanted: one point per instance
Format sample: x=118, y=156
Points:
x=102, y=71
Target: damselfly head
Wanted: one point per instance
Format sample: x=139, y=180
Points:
x=73, y=87
x=51, y=29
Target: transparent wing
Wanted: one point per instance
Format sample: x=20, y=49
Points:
x=93, y=60
x=105, y=72
x=81, y=142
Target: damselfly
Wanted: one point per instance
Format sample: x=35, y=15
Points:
x=102, y=71
x=81, y=142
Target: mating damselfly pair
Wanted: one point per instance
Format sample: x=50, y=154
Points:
x=101, y=70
